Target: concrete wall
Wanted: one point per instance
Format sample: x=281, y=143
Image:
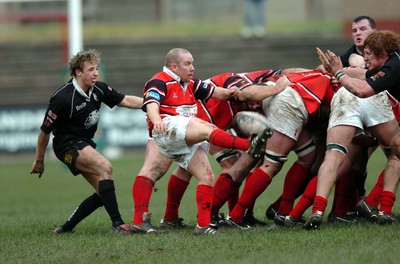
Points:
x=385, y=12
x=215, y=10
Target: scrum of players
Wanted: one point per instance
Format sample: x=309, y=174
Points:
x=332, y=117
x=302, y=111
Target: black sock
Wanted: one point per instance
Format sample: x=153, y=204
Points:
x=88, y=206
x=107, y=194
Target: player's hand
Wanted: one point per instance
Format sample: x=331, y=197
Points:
x=232, y=92
x=37, y=168
x=324, y=60
x=160, y=128
x=334, y=61
x=282, y=83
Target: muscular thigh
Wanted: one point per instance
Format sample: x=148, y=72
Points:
x=198, y=130
x=280, y=143
x=90, y=161
x=385, y=132
x=155, y=163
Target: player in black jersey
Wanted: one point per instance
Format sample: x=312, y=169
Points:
x=72, y=116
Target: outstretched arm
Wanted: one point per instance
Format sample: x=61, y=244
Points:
x=257, y=92
x=42, y=142
x=225, y=94
x=131, y=101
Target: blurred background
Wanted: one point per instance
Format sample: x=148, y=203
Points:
x=134, y=36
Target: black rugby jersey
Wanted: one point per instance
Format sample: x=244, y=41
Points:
x=387, y=77
x=72, y=115
x=345, y=57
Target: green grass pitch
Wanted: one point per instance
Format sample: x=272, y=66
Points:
x=32, y=207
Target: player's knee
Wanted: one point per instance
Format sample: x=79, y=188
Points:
x=207, y=179
x=105, y=170
x=154, y=174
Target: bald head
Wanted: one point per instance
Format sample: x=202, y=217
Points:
x=174, y=56
x=180, y=62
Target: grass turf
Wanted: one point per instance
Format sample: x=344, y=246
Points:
x=32, y=207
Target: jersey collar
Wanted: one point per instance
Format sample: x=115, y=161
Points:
x=176, y=77
x=79, y=89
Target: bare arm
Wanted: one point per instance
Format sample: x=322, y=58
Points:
x=153, y=112
x=224, y=94
x=356, y=86
x=293, y=70
x=38, y=164
x=131, y=101
x=257, y=93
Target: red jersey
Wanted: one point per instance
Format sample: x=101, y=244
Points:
x=314, y=87
x=259, y=76
x=395, y=107
x=173, y=97
x=222, y=112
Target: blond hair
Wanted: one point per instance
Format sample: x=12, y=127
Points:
x=76, y=62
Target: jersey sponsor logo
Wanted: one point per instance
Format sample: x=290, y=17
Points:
x=378, y=75
x=153, y=95
x=187, y=112
x=79, y=107
x=92, y=119
x=174, y=95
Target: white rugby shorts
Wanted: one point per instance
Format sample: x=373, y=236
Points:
x=173, y=144
x=286, y=112
x=348, y=109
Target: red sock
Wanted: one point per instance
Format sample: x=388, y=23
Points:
x=387, y=202
x=345, y=190
x=320, y=204
x=176, y=189
x=233, y=199
x=204, y=197
x=374, y=197
x=224, y=188
x=250, y=209
x=254, y=186
x=141, y=192
x=294, y=179
x=223, y=139
x=306, y=200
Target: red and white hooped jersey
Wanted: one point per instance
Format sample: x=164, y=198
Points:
x=173, y=97
x=222, y=112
